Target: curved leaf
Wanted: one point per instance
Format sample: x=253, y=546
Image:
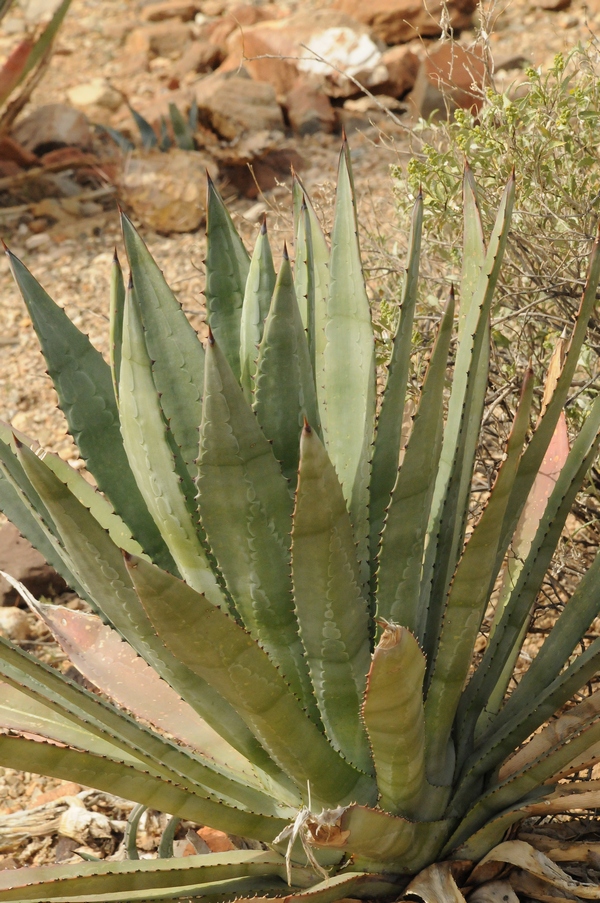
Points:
x=332, y=613
x=255, y=308
x=222, y=653
x=395, y=722
x=245, y=509
x=227, y=264
x=285, y=387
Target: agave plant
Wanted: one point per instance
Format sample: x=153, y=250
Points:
x=291, y=613
x=26, y=64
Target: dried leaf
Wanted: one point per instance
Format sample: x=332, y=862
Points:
x=435, y=884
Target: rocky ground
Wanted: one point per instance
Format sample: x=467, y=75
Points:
x=65, y=228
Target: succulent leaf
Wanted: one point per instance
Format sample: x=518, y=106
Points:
x=222, y=653
x=394, y=718
x=83, y=382
x=312, y=271
x=331, y=610
x=255, y=308
x=176, y=352
x=116, y=310
x=227, y=265
x=152, y=462
x=349, y=392
x=467, y=599
x=465, y=407
x=245, y=507
x=386, y=453
x=404, y=534
x=285, y=388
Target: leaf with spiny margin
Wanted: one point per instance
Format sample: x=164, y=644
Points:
x=175, y=351
x=317, y=264
x=403, y=846
x=535, y=451
x=331, y=610
x=285, y=386
x=539, y=706
x=394, y=719
x=481, y=842
x=20, y=712
x=567, y=632
x=181, y=129
x=112, y=665
x=257, y=300
x=161, y=757
x=403, y=540
x=21, y=513
x=152, y=461
x=98, y=565
x=521, y=784
x=134, y=783
x=303, y=271
x=216, y=648
x=349, y=365
x=97, y=505
x=473, y=247
x=227, y=264
x=245, y=509
x=468, y=598
x=551, y=736
x=83, y=382
x=386, y=452
x=453, y=484
x=554, y=460
x=25, y=509
x=143, y=879
x=518, y=607
x=117, y=305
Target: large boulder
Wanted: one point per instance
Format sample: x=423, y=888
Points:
x=398, y=21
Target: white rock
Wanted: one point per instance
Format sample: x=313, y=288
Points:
x=97, y=92
x=342, y=48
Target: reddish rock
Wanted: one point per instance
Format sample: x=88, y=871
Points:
x=241, y=17
x=308, y=108
x=402, y=68
x=342, y=39
x=233, y=105
x=52, y=126
x=19, y=559
x=398, y=21
x=255, y=51
x=200, y=56
x=172, y=9
x=449, y=77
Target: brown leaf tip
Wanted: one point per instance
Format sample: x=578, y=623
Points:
x=263, y=227
x=286, y=256
x=211, y=338
x=307, y=427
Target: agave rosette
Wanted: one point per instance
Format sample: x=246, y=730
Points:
x=294, y=613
